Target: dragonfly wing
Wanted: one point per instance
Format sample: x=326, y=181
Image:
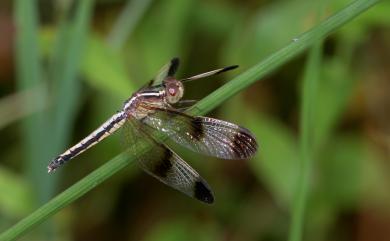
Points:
x=209, y=73
x=167, y=70
x=204, y=135
x=165, y=165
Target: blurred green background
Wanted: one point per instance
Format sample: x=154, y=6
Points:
x=67, y=66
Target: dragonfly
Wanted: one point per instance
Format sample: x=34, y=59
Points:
x=152, y=110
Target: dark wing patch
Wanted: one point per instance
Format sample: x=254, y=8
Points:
x=174, y=66
x=167, y=70
x=196, y=129
x=205, y=135
x=203, y=192
x=209, y=73
x=165, y=165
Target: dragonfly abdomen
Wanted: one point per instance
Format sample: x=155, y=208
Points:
x=108, y=127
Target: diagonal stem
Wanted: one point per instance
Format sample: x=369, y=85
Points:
x=236, y=85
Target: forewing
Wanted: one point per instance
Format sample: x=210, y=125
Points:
x=203, y=134
x=167, y=70
x=129, y=138
x=165, y=165
x=209, y=73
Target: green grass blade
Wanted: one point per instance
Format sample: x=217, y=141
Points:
x=18, y=106
x=29, y=75
x=66, y=64
x=127, y=21
x=310, y=80
x=297, y=45
x=65, y=198
x=309, y=95
x=213, y=100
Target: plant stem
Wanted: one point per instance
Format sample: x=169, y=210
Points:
x=213, y=100
x=65, y=198
x=309, y=90
x=292, y=49
x=127, y=21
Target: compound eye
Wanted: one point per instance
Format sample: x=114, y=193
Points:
x=172, y=91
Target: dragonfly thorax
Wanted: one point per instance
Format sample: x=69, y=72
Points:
x=143, y=103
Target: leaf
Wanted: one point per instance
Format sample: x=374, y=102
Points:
x=335, y=90
x=278, y=163
x=178, y=230
x=160, y=37
x=267, y=31
x=105, y=68
x=353, y=155
x=16, y=198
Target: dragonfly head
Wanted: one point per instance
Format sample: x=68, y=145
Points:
x=174, y=90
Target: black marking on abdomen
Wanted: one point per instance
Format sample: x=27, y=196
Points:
x=80, y=147
x=92, y=140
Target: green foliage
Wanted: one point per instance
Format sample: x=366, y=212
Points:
x=46, y=133
x=181, y=230
x=341, y=167
x=17, y=202
x=29, y=76
x=279, y=156
x=98, y=71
